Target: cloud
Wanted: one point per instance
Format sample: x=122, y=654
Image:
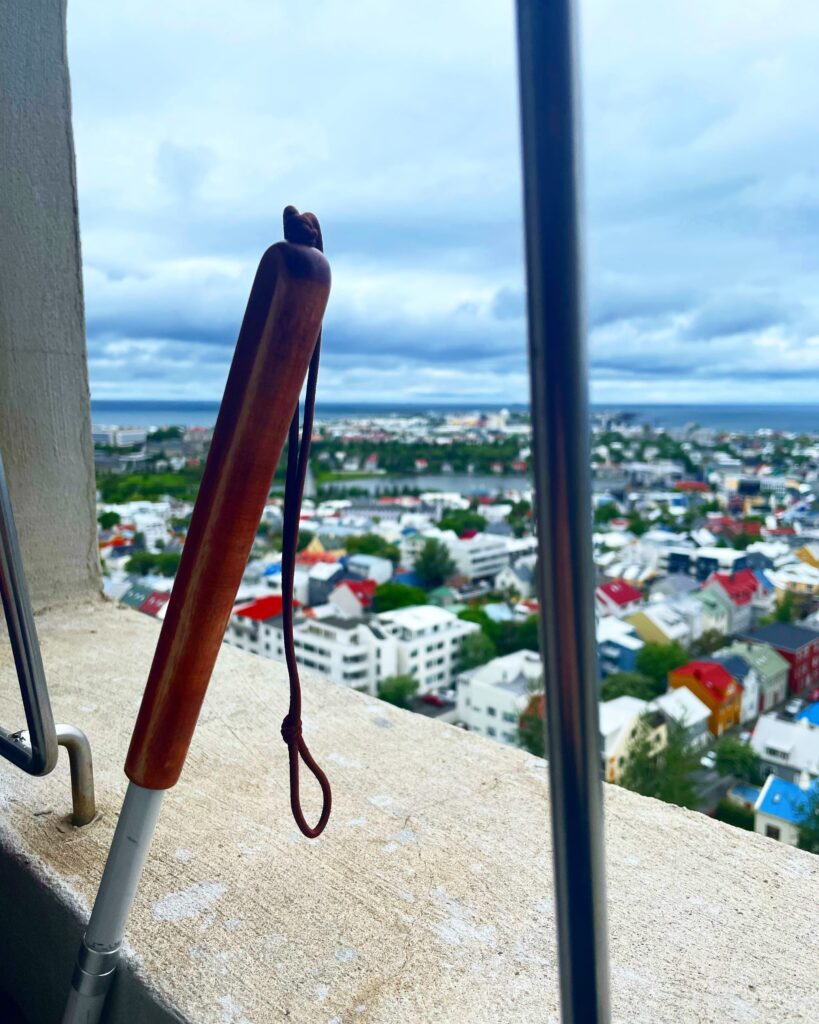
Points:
x=196, y=123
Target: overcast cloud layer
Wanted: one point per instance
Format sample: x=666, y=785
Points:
x=196, y=122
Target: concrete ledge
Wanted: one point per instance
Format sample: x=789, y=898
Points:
x=429, y=898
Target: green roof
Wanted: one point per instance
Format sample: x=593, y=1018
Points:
x=767, y=662
x=136, y=595
x=715, y=596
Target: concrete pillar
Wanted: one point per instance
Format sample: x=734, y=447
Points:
x=45, y=424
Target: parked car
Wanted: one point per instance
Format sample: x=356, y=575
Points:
x=708, y=760
x=434, y=698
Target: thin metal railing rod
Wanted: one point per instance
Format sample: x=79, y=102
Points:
x=561, y=462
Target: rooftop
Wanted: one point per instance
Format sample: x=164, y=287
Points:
x=429, y=897
x=713, y=676
x=263, y=608
x=783, y=635
x=781, y=799
x=621, y=592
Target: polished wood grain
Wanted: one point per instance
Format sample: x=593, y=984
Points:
x=276, y=341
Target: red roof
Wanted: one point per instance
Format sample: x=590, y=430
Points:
x=154, y=603
x=364, y=590
x=468, y=534
x=314, y=557
x=263, y=608
x=621, y=592
x=740, y=586
x=713, y=676
x=691, y=485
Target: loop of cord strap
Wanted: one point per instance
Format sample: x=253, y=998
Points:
x=303, y=229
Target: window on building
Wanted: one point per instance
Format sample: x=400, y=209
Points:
x=491, y=712
x=491, y=731
x=771, y=831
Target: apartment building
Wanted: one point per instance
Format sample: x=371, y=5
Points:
x=428, y=643
x=492, y=697
x=349, y=651
x=477, y=557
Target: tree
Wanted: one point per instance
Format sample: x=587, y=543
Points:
x=372, y=544
x=629, y=684
x=460, y=520
x=389, y=596
x=476, y=650
x=667, y=773
x=434, y=564
x=398, y=690
x=305, y=536
x=809, y=824
x=532, y=728
x=637, y=525
x=708, y=642
x=737, y=758
x=604, y=513
x=734, y=814
x=108, y=520
x=785, y=610
x=165, y=563
x=657, y=660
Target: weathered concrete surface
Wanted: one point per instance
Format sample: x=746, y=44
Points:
x=429, y=898
x=45, y=426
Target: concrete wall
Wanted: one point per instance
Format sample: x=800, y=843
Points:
x=45, y=429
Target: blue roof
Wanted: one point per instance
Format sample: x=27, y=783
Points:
x=273, y=570
x=763, y=579
x=737, y=666
x=811, y=712
x=409, y=578
x=745, y=791
x=785, y=800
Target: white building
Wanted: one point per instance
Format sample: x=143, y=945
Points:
x=786, y=748
x=479, y=557
x=370, y=567
x=686, y=710
x=492, y=697
x=428, y=643
x=150, y=518
x=351, y=652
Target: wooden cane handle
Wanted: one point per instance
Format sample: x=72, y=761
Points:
x=276, y=341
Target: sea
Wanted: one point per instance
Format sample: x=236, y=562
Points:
x=737, y=418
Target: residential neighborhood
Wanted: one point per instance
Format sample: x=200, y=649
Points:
x=706, y=592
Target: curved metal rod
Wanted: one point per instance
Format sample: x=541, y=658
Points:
x=82, y=773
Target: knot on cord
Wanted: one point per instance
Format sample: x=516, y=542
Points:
x=291, y=730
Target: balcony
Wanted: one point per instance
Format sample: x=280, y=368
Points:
x=429, y=898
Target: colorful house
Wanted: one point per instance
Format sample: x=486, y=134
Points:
x=618, y=598
x=780, y=808
x=717, y=609
x=740, y=587
x=797, y=645
x=660, y=623
x=715, y=687
x=770, y=667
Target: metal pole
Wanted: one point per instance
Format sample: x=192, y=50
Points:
x=99, y=952
x=561, y=457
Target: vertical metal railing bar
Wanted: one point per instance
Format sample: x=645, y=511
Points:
x=39, y=755
x=561, y=460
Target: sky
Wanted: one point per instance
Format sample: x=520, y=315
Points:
x=397, y=123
